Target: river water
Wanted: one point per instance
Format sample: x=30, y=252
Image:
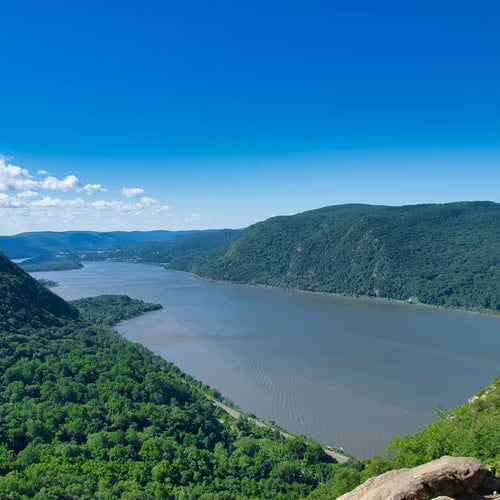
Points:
x=344, y=371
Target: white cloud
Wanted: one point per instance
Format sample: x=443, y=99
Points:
x=39, y=207
x=28, y=194
x=26, y=204
x=9, y=201
x=16, y=178
x=145, y=200
x=144, y=205
x=55, y=184
x=92, y=188
x=194, y=217
x=132, y=192
x=100, y=204
x=13, y=177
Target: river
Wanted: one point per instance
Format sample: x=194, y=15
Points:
x=344, y=371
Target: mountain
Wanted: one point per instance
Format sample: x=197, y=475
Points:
x=86, y=414
x=29, y=244
x=446, y=254
x=25, y=303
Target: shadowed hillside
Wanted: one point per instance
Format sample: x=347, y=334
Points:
x=25, y=303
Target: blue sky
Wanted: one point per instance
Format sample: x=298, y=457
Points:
x=220, y=114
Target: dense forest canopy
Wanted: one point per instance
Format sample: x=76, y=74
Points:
x=24, y=303
x=86, y=414
x=110, y=309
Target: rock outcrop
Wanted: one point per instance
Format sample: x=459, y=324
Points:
x=447, y=477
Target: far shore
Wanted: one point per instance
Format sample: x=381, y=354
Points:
x=481, y=312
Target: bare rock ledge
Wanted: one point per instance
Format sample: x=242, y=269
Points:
x=447, y=477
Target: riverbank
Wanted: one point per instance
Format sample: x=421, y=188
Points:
x=344, y=372
x=409, y=303
x=338, y=457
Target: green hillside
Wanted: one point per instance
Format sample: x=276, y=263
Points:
x=86, y=414
x=470, y=430
x=446, y=255
x=24, y=303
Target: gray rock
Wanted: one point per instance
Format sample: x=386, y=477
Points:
x=447, y=476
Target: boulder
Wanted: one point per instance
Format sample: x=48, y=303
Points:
x=447, y=476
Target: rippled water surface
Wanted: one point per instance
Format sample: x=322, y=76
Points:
x=344, y=371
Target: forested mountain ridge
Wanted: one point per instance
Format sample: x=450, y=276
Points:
x=446, y=255
x=86, y=414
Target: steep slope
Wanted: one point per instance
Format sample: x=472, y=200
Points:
x=436, y=254
x=86, y=414
x=469, y=430
x=25, y=303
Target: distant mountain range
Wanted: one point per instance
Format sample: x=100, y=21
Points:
x=35, y=243
x=441, y=254
x=87, y=414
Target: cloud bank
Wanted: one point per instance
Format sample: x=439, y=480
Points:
x=29, y=203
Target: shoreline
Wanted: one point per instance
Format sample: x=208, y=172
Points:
x=481, y=312
x=338, y=457
x=201, y=279
x=484, y=312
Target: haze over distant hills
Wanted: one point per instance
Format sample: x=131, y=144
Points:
x=29, y=244
x=440, y=254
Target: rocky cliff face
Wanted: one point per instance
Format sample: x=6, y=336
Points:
x=457, y=478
